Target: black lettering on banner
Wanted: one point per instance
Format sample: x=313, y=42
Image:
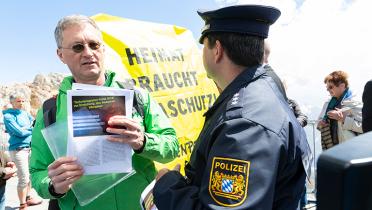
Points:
x=145, y=54
x=183, y=150
x=162, y=107
x=167, y=55
x=175, y=56
x=153, y=55
x=144, y=83
x=186, y=148
x=180, y=53
x=174, y=112
x=203, y=101
x=182, y=110
x=158, y=84
x=193, y=74
x=165, y=81
x=186, y=78
x=168, y=80
x=131, y=55
x=190, y=146
x=161, y=54
x=210, y=99
x=199, y=104
x=188, y=105
x=176, y=76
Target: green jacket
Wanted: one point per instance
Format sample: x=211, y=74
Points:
x=161, y=146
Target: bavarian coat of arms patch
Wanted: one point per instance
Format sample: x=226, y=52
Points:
x=228, y=181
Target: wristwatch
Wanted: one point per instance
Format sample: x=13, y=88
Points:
x=53, y=192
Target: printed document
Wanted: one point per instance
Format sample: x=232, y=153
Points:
x=89, y=108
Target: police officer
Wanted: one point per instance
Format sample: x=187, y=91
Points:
x=251, y=153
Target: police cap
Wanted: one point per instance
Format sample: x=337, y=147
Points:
x=244, y=19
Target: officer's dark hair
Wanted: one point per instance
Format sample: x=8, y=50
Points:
x=242, y=49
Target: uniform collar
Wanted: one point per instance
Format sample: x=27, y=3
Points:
x=243, y=79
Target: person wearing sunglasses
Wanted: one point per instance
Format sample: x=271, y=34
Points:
x=80, y=46
x=341, y=116
x=18, y=124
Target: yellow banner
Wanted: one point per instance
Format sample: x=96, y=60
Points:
x=165, y=60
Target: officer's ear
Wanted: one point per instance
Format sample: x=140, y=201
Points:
x=218, y=51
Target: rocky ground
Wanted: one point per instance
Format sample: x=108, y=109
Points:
x=12, y=202
x=42, y=88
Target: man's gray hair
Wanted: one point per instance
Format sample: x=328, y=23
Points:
x=69, y=21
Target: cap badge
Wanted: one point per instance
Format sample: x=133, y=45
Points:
x=206, y=27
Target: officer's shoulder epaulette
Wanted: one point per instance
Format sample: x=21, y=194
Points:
x=261, y=105
x=234, y=105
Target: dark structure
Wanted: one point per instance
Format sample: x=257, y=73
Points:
x=345, y=176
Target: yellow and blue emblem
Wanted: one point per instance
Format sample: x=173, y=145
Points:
x=228, y=181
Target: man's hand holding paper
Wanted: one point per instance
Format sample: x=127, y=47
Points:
x=128, y=129
x=63, y=172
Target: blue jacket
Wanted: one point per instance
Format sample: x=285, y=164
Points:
x=251, y=154
x=18, y=123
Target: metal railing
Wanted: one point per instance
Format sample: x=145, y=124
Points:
x=313, y=124
x=316, y=150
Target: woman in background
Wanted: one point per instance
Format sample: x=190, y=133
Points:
x=18, y=124
x=341, y=116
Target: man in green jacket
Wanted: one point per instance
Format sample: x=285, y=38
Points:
x=80, y=47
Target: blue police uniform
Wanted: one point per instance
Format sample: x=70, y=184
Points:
x=251, y=153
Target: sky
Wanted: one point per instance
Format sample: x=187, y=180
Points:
x=28, y=46
x=311, y=38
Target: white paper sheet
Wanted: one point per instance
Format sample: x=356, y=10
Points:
x=89, y=107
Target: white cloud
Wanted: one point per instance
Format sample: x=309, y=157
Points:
x=324, y=36
x=315, y=39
